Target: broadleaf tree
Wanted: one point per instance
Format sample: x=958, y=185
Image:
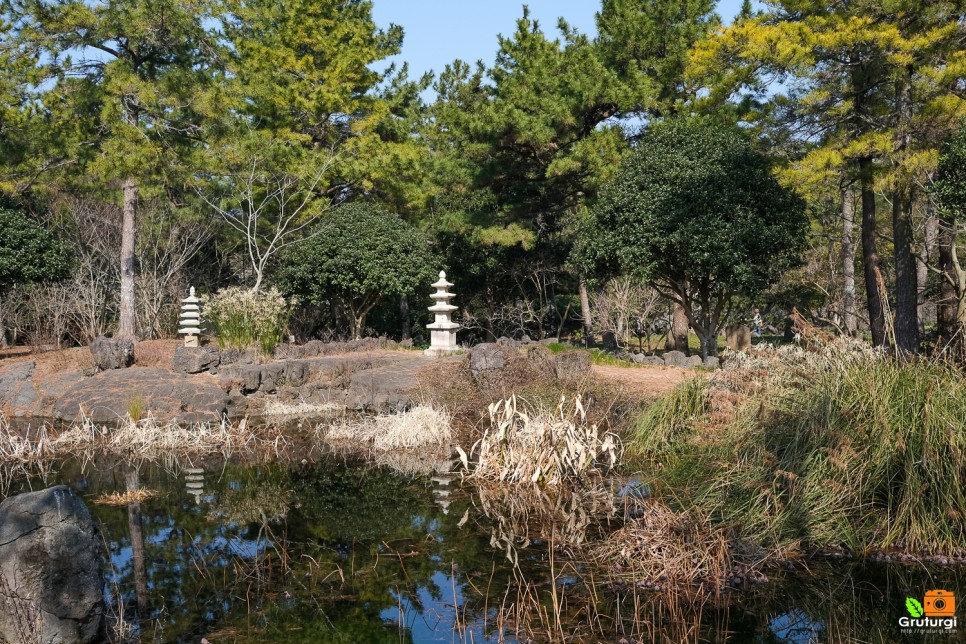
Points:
x=358, y=255
x=696, y=212
x=29, y=253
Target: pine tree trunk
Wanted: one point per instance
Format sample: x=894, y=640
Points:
x=126, y=323
x=922, y=268
x=3, y=328
x=679, y=328
x=585, y=312
x=874, y=282
x=907, y=300
x=848, y=261
x=407, y=324
x=136, y=527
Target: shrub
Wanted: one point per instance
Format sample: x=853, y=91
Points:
x=242, y=318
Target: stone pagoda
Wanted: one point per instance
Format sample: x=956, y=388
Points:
x=443, y=329
x=190, y=319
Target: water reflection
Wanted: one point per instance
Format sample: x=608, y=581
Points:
x=341, y=551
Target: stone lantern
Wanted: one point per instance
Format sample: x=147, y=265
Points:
x=190, y=319
x=443, y=329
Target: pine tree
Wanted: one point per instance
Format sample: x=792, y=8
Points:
x=871, y=81
x=138, y=76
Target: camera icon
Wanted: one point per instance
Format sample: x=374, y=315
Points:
x=939, y=603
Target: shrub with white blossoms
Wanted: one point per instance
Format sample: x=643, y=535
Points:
x=242, y=318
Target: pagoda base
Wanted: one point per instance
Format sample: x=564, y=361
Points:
x=441, y=353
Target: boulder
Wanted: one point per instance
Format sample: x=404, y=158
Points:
x=674, y=359
x=711, y=362
x=237, y=404
x=507, y=343
x=313, y=348
x=51, y=569
x=572, y=364
x=273, y=375
x=638, y=358
x=486, y=357
x=296, y=372
x=654, y=361
x=112, y=353
x=195, y=359
x=541, y=360
x=693, y=361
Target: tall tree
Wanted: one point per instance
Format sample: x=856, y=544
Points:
x=142, y=72
x=520, y=150
x=874, y=83
x=312, y=122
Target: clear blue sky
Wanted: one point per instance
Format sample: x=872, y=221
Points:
x=439, y=31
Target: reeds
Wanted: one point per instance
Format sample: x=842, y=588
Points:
x=243, y=318
x=663, y=549
x=840, y=448
x=538, y=446
x=146, y=438
x=419, y=427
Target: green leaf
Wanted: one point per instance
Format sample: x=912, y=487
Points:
x=914, y=607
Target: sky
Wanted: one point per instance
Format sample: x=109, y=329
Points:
x=440, y=31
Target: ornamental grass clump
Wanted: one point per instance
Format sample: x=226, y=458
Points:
x=836, y=448
x=538, y=446
x=420, y=426
x=243, y=318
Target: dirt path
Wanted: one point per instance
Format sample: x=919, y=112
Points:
x=654, y=381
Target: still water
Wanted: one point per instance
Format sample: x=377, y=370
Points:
x=344, y=550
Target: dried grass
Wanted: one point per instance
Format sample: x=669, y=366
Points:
x=561, y=516
x=144, y=438
x=421, y=426
x=281, y=409
x=539, y=446
x=662, y=548
x=139, y=495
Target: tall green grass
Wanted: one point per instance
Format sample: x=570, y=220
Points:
x=241, y=318
x=860, y=452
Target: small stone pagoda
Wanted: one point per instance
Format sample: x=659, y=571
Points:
x=443, y=329
x=190, y=319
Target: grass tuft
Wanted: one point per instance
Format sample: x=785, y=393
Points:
x=844, y=448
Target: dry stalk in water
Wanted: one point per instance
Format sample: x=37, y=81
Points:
x=546, y=448
x=421, y=426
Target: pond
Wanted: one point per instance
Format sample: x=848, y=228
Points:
x=345, y=550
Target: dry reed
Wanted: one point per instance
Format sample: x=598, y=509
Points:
x=662, y=548
x=421, y=426
x=546, y=448
x=139, y=495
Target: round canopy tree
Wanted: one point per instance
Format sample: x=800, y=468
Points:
x=696, y=212
x=358, y=255
x=28, y=253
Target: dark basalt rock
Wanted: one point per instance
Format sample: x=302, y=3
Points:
x=51, y=569
x=112, y=353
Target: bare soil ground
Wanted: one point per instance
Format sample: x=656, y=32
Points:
x=649, y=381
